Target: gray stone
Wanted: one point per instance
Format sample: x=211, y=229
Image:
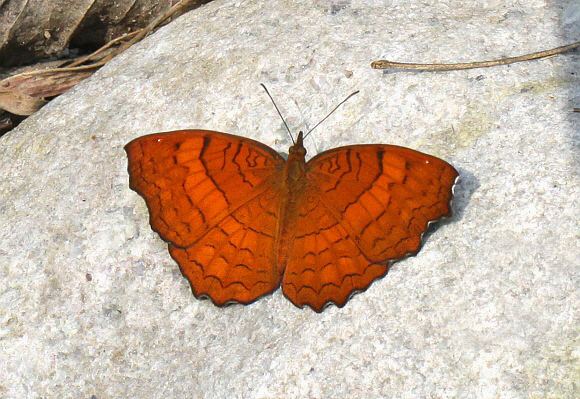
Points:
x=92, y=304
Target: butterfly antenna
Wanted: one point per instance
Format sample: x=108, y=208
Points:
x=331, y=112
x=279, y=113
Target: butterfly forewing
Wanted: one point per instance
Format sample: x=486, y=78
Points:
x=192, y=179
x=383, y=195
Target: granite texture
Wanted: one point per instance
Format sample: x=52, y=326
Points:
x=92, y=306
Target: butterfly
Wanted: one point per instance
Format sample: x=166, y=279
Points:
x=241, y=221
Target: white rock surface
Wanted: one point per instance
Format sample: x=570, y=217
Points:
x=92, y=306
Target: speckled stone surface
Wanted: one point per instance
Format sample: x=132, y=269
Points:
x=91, y=304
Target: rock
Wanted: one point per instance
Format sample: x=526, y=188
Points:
x=487, y=307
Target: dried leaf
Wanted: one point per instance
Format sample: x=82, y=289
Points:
x=34, y=30
x=19, y=103
x=25, y=93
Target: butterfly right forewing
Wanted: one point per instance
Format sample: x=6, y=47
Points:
x=384, y=195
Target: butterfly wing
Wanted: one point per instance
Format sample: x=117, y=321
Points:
x=375, y=202
x=324, y=262
x=235, y=261
x=214, y=198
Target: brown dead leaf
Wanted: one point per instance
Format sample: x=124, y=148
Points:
x=26, y=92
x=31, y=30
x=19, y=103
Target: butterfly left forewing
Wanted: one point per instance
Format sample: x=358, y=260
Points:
x=192, y=179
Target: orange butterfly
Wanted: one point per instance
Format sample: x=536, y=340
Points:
x=240, y=220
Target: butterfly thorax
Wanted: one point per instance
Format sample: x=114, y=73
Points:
x=295, y=165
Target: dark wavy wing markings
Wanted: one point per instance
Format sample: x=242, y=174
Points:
x=236, y=260
x=383, y=195
x=217, y=200
x=325, y=265
x=192, y=179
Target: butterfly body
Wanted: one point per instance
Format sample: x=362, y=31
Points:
x=291, y=189
x=241, y=221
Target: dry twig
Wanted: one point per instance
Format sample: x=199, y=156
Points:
x=386, y=64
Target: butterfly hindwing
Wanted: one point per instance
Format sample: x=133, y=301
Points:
x=235, y=261
x=325, y=264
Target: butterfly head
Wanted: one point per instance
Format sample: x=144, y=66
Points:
x=297, y=148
